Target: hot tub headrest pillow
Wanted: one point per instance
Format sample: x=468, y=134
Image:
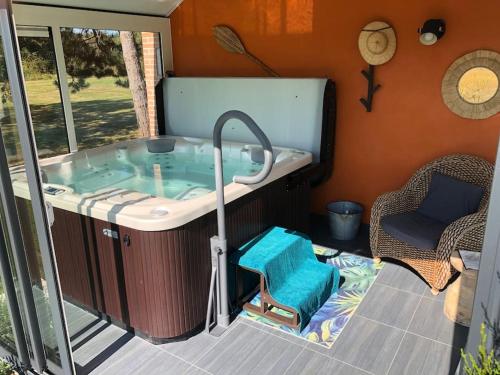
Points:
x=257, y=154
x=160, y=145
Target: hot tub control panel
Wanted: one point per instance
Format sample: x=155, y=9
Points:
x=51, y=190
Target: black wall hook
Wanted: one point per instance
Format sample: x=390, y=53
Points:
x=372, y=87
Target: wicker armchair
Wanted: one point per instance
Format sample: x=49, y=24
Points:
x=465, y=233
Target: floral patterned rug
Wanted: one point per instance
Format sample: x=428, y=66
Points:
x=357, y=276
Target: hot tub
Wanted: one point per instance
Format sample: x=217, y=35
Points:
x=137, y=185
x=133, y=222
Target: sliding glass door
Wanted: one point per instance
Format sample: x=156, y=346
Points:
x=12, y=337
x=32, y=320
x=69, y=80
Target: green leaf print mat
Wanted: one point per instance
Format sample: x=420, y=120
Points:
x=357, y=276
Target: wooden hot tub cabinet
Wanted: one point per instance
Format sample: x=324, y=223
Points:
x=157, y=282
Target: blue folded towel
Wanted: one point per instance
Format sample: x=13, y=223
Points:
x=294, y=277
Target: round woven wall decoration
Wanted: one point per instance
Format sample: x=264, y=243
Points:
x=471, y=86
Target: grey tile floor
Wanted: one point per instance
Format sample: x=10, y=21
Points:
x=399, y=328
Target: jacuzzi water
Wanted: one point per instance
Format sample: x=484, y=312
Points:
x=179, y=176
x=153, y=184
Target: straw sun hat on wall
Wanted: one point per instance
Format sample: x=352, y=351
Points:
x=377, y=42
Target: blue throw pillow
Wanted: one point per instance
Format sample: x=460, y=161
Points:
x=449, y=199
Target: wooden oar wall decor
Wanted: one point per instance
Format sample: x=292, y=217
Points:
x=231, y=42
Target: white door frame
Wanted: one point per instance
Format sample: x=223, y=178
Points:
x=487, y=296
x=42, y=228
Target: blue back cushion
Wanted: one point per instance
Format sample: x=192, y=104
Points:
x=449, y=199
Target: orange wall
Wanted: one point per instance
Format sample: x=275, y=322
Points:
x=409, y=125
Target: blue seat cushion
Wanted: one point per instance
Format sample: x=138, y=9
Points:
x=414, y=229
x=449, y=199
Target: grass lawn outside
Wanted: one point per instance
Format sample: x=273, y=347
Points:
x=103, y=114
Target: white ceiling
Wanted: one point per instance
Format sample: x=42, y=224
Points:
x=147, y=7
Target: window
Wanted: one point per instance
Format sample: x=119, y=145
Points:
x=100, y=102
x=7, y=116
x=42, y=86
x=111, y=78
x=40, y=74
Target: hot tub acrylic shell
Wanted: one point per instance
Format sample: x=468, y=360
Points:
x=141, y=211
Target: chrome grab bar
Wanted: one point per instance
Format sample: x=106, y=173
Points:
x=218, y=243
x=259, y=134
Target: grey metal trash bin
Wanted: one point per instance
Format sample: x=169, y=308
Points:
x=344, y=218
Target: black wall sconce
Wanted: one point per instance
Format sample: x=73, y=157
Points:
x=432, y=31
